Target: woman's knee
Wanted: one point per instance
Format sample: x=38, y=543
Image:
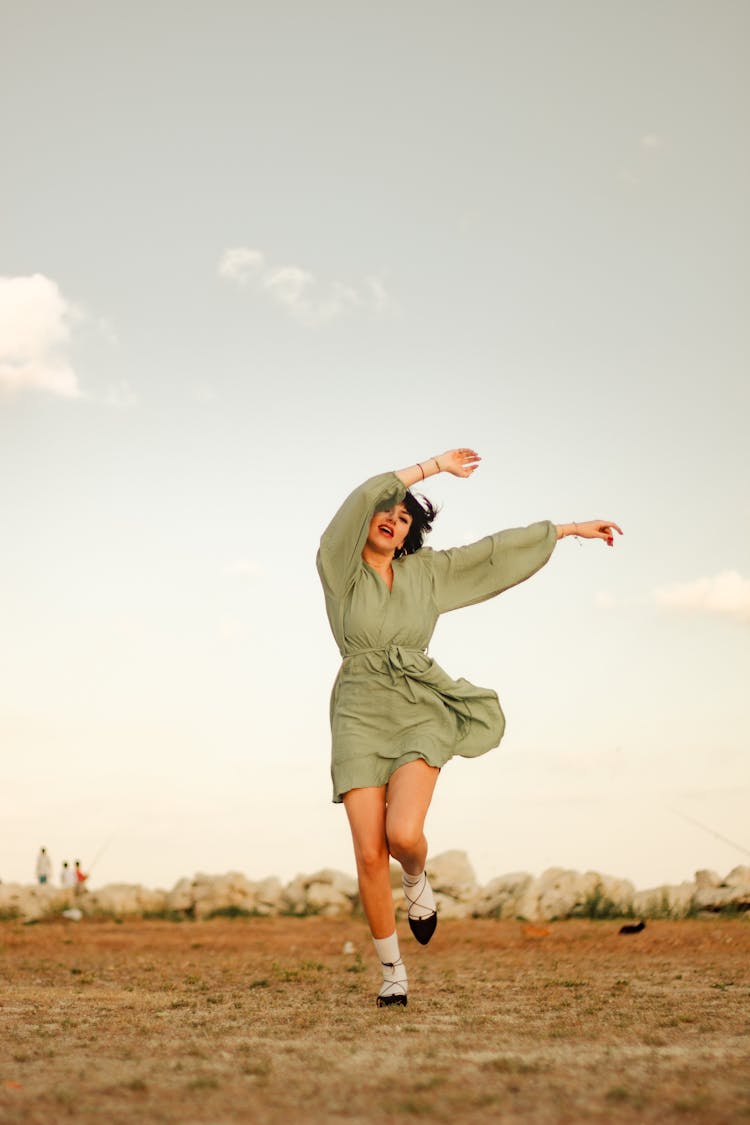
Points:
x=372, y=857
x=404, y=837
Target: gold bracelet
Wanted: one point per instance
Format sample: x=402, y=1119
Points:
x=438, y=464
x=420, y=469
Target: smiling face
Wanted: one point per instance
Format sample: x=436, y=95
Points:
x=388, y=530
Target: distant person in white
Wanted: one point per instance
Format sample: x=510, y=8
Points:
x=67, y=876
x=43, y=867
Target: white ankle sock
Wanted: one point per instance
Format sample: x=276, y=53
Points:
x=395, y=981
x=419, y=896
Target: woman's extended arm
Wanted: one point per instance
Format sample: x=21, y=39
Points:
x=463, y=462
x=458, y=462
x=592, y=529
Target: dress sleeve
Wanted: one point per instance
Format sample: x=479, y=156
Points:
x=467, y=575
x=342, y=541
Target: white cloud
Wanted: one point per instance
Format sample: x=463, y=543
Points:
x=288, y=285
x=727, y=594
x=652, y=142
x=240, y=264
x=35, y=333
x=299, y=292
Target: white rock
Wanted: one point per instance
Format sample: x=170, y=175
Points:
x=122, y=899
x=706, y=878
x=32, y=902
x=452, y=874
x=214, y=893
x=323, y=898
x=499, y=898
x=268, y=898
x=555, y=894
x=294, y=896
x=608, y=894
x=449, y=908
x=181, y=895
x=719, y=898
x=669, y=901
x=564, y=893
x=738, y=877
x=334, y=892
x=340, y=882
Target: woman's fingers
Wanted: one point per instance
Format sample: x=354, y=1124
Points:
x=607, y=530
x=469, y=460
x=599, y=529
x=461, y=462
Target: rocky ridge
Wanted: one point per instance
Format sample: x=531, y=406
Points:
x=555, y=894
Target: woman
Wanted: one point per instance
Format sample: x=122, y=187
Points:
x=396, y=716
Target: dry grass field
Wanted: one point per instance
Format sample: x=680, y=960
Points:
x=268, y=1020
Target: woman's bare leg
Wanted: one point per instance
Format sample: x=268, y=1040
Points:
x=410, y=792
x=366, y=811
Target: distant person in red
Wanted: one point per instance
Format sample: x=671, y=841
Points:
x=80, y=877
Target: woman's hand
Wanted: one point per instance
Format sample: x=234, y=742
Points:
x=458, y=462
x=591, y=529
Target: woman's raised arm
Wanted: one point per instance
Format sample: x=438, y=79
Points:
x=340, y=554
x=457, y=462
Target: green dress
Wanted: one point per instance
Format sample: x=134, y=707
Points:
x=391, y=703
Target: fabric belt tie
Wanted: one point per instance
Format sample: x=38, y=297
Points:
x=400, y=662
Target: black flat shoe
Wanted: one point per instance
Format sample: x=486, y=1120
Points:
x=423, y=928
x=387, y=1001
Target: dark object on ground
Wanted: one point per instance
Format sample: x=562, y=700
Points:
x=635, y=929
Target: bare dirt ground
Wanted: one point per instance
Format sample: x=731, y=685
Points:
x=268, y=1020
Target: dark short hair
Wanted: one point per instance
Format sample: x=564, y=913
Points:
x=422, y=514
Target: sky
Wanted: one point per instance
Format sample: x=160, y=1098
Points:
x=252, y=254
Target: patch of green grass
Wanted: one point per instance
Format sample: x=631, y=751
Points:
x=598, y=905
x=65, y=1098
x=285, y=972
x=203, y=1082
x=510, y=1064
x=414, y=1107
x=234, y=912
x=257, y=1068
x=694, y=1104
